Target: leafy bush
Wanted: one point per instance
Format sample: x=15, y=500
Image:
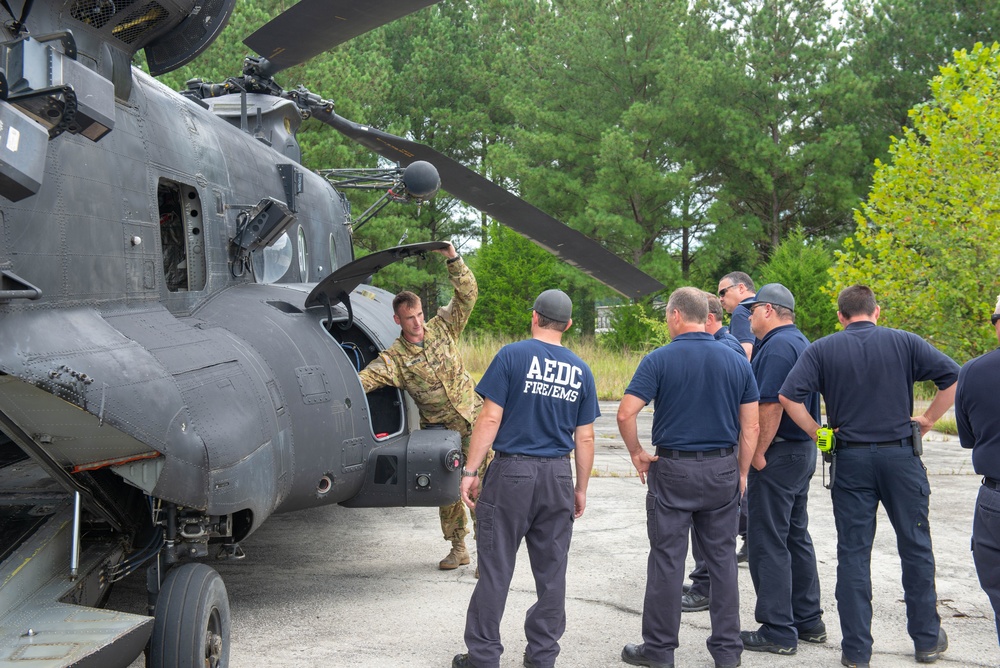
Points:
x=511, y=272
x=634, y=327
x=803, y=267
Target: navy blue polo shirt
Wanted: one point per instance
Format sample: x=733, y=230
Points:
x=976, y=412
x=866, y=374
x=546, y=392
x=723, y=336
x=697, y=392
x=739, y=323
x=773, y=358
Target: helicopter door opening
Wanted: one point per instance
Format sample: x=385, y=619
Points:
x=385, y=405
x=181, y=236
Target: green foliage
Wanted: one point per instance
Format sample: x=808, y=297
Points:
x=593, y=144
x=511, y=272
x=631, y=328
x=803, y=267
x=780, y=159
x=896, y=47
x=928, y=233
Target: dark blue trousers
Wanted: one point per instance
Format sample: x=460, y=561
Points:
x=780, y=550
x=864, y=477
x=533, y=499
x=685, y=494
x=986, y=546
x=699, y=576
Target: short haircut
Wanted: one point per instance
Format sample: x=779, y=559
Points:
x=784, y=312
x=549, y=323
x=738, y=277
x=691, y=303
x=856, y=300
x=405, y=298
x=714, y=306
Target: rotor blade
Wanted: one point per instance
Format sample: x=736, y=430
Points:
x=311, y=27
x=558, y=238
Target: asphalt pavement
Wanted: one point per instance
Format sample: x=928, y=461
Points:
x=360, y=588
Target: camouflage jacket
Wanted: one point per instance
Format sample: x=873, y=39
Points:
x=433, y=373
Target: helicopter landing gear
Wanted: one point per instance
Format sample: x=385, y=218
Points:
x=191, y=624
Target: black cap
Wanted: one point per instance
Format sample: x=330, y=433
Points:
x=554, y=305
x=774, y=293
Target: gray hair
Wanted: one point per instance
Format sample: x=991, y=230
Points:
x=690, y=303
x=738, y=277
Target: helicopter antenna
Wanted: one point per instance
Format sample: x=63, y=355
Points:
x=418, y=182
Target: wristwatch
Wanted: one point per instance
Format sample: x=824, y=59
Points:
x=469, y=474
x=453, y=259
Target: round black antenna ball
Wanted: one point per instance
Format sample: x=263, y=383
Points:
x=421, y=179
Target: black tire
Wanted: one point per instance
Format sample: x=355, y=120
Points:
x=191, y=623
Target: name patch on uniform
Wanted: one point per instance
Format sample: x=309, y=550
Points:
x=551, y=378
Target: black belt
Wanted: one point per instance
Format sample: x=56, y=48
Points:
x=694, y=454
x=991, y=483
x=517, y=455
x=901, y=443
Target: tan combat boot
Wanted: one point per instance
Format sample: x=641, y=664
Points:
x=458, y=556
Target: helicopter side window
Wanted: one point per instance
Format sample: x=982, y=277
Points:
x=181, y=236
x=303, y=255
x=333, y=253
x=277, y=259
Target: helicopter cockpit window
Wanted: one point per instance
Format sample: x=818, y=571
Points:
x=277, y=259
x=181, y=236
x=303, y=256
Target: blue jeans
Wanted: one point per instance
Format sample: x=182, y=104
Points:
x=896, y=477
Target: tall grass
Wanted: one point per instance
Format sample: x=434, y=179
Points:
x=612, y=369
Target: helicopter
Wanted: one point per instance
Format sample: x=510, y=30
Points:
x=183, y=318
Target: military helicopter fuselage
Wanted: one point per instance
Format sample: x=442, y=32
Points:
x=162, y=382
x=224, y=390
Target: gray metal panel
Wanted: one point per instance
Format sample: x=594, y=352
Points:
x=33, y=580
x=73, y=438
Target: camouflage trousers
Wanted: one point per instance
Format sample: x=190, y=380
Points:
x=454, y=521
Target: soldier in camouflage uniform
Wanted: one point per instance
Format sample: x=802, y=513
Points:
x=425, y=361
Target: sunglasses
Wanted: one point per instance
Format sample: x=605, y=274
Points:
x=722, y=292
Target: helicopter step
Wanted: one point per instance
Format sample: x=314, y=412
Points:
x=47, y=616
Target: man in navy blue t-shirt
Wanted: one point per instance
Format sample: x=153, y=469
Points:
x=979, y=428
x=782, y=559
x=736, y=292
x=866, y=374
x=705, y=406
x=696, y=596
x=540, y=404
